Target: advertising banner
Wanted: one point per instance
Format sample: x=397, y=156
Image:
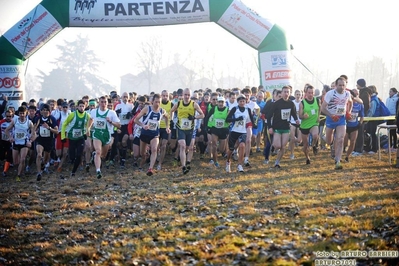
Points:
x=12, y=84
x=33, y=31
x=275, y=69
x=245, y=24
x=129, y=13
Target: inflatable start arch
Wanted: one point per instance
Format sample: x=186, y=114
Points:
x=51, y=16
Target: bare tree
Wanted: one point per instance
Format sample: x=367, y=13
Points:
x=150, y=59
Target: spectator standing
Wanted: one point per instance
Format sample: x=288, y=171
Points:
x=392, y=105
x=365, y=95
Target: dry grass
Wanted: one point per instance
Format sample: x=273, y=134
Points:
x=208, y=217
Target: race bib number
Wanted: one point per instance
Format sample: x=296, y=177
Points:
x=353, y=117
x=341, y=109
x=185, y=124
x=137, y=131
x=4, y=136
x=240, y=124
x=219, y=123
x=77, y=133
x=101, y=124
x=44, y=132
x=20, y=135
x=152, y=125
x=313, y=112
x=285, y=114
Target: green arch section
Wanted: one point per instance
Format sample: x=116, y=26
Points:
x=263, y=35
x=217, y=8
x=275, y=40
x=59, y=9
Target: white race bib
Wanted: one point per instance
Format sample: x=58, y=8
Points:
x=137, y=131
x=285, y=114
x=152, y=124
x=20, y=135
x=185, y=123
x=101, y=124
x=77, y=133
x=123, y=117
x=240, y=124
x=341, y=109
x=5, y=136
x=219, y=123
x=353, y=117
x=313, y=112
x=44, y=132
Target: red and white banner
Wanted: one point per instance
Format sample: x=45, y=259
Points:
x=275, y=69
x=33, y=31
x=245, y=24
x=12, y=84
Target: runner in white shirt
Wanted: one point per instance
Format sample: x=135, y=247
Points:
x=336, y=104
x=255, y=110
x=123, y=109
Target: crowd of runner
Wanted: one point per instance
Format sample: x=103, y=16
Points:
x=222, y=126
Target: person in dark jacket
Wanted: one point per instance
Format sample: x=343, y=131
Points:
x=3, y=106
x=365, y=95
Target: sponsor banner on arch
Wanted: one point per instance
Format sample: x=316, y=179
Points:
x=129, y=13
x=12, y=83
x=275, y=69
x=245, y=23
x=33, y=31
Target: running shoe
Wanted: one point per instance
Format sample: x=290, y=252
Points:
x=18, y=179
x=277, y=166
x=87, y=167
x=292, y=156
x=72, y=174
x=266, y=161
x=185, y=170
x=338, y=166
x=246, y=163
x=159, y=167
x=39, y=177
x=315, y=150
x=99, y=175
x=217, y=164
x=150, y=172
x=228, y=170
x=239, y=168
x=347, y=159
x=307, y=161
x=46, y=170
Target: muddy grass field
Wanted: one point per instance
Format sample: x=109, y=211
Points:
x=297, y=215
